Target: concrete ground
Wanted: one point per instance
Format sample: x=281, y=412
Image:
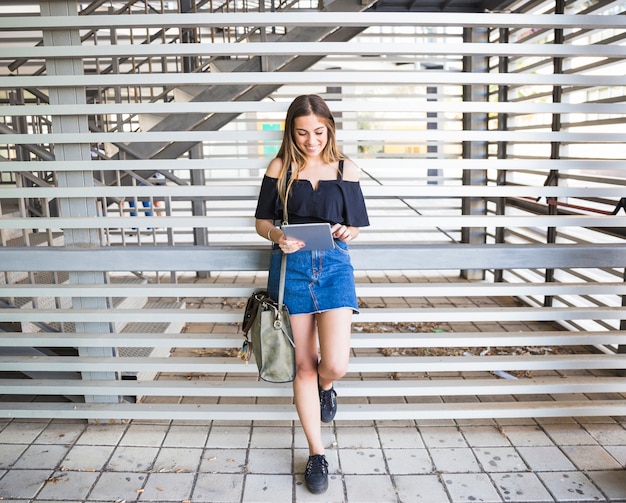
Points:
x=70, y=461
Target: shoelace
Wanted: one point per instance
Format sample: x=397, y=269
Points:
x=317, y=464
x=328, y=398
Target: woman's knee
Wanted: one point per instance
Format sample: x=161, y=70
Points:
x=334, y=370
x=306, y=371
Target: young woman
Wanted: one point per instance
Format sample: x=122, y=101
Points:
x=319, y=184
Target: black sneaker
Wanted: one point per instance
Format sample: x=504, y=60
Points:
x=328, y=404
x=316, y=474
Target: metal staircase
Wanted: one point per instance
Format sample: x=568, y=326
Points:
x=291, y=63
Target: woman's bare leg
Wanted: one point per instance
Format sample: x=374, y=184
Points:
x=334, y=328
x=305, y=384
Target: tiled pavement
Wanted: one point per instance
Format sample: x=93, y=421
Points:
x=522, y=460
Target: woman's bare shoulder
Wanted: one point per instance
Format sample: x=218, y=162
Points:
x=351, y=171
x=274, y=167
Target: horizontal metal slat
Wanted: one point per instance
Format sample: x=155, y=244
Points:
x=280, y=107
x=213, y=365
x=221, y=290
x=371, y=257
x=380, y=315
x=345, y=388
x=377, y=223
x=412, y=166
x=313, y=77
x=130, y=259
x=358, y=339
x=123, y=364
x=489, y=314
x=286, y=412
x=485, y=363
x=391, y=189
x=314, y=48
x=485, y=339
x=344, y=135
x=313, y=18
x=478, y=387
x=124, y=340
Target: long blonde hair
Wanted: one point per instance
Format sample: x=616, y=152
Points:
x=289, y=152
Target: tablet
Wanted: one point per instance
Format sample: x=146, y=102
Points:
x=315, y=236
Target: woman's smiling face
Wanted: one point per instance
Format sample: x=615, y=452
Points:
x=311, y=135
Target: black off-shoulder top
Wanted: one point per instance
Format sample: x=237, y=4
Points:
x=334, y=201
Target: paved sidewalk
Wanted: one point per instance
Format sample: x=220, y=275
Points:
x=519, y=460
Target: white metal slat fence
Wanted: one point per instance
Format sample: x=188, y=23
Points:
x=394, y=153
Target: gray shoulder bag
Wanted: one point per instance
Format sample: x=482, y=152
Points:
x=271, y=340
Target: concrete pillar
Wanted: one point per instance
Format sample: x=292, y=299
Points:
x=76, y=207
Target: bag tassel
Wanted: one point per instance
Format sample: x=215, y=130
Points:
x=244, y=352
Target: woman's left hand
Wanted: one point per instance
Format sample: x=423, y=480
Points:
x=342, y=232
x=288, y=245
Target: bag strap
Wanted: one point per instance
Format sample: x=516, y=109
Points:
x=283, y=261
x=281, y=287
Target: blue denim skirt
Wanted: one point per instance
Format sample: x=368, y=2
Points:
x=316, y=281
